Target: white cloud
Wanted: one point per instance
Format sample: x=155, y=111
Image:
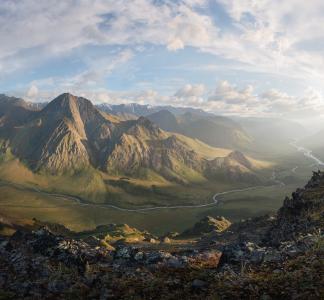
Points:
x=273, y=34
x=231, y=94
x=53, y=28
x=189, y=95
x=175, y=44
x=227, y=98
x=196, y=90
x=32, y=91
x=269, y=36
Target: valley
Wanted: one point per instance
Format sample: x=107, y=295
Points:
x=99, y=169
x=240, y=203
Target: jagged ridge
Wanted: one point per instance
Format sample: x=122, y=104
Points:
x=70, y=134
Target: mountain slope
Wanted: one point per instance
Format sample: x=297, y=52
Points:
x=65, y=135
x=69, y=134
x=13, y=111
x=213, y=130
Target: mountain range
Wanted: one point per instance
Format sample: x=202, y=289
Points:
x=135, y=110
x=216, y=131
x=235, y=132
x=70, y=134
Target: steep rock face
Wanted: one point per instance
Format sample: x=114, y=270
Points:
x=64, y=106
x=54, y=138
x=67, y=134
x=64, y=150
x=302, y=213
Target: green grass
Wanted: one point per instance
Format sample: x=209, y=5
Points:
x=29, y=205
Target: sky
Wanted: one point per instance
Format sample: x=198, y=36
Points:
x=234, y=57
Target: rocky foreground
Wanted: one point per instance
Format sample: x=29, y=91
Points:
x=270, y=257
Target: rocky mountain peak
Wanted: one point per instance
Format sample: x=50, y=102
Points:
x=145, y=123
x=62, y=101
x=77, y=109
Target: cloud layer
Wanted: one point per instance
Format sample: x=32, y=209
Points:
x=81, y=46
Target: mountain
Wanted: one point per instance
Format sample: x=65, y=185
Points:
x=165, y=120
x=65, y=135
x=134, y=110
x=144, y=146
x=70, y=134
x=14, y=110
x=213, y=130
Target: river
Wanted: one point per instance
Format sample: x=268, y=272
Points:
x=215, y=198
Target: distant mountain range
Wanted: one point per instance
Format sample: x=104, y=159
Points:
x=249, y=134
x=70, y=134
x=216, y=131
x=138, y=110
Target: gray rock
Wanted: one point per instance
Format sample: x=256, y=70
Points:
x=174, y=262
x=139, y=256
x=57, y=286
x=123, y=253
x=198, y=284
x=272, y=256
x=105, y=294
x=257, y=256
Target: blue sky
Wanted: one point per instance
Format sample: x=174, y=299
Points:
x=243, y=57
